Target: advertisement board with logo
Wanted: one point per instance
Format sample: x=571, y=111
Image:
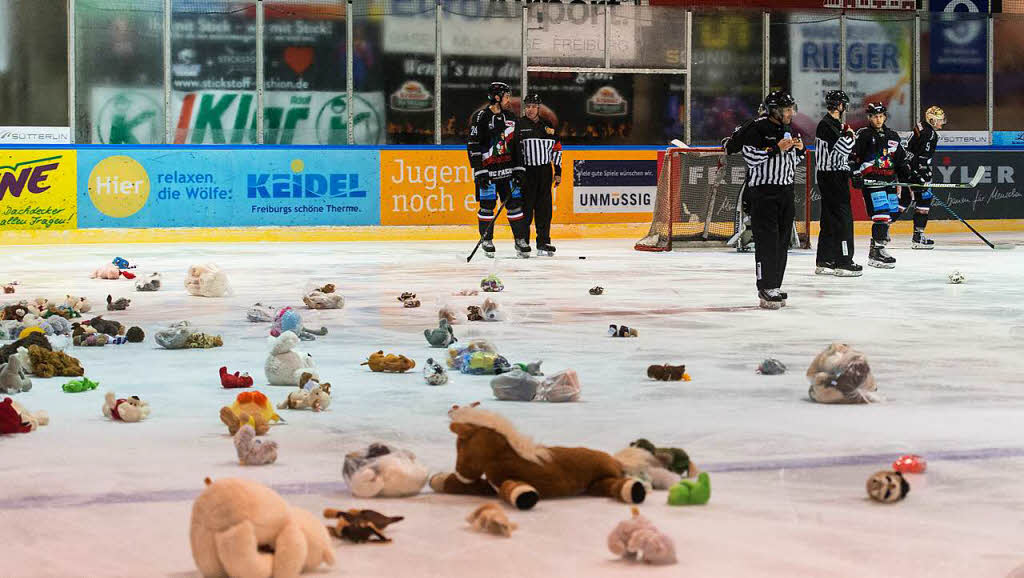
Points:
x=958, y=36
x=37, y=189
x=614, y=186
x=23, y=135
x=212, y=187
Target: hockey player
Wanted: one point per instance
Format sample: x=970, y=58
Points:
x=497, y=169
x=878, y=156
x=540, y=149
x=733, y=144
x=922, y=149
x=833, y=144
x=771, y=154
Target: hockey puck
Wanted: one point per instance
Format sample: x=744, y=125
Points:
x=582, y=257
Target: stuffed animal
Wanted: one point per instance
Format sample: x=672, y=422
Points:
x=668, y=372
x=691, y=493
x=492, y=457
x=13, y=376
x=252, y=408
x=135, y=335
x=243, y=528
x=79, y=305
x=384, y=471
x=491, y=284
x=288, y=319
x=320, y=299
x=360, y=525
x=644, y=466
x=621, y=331
x=34, y=419
x=174, y=336
x=234, y=380
x=111, y=271
x=251, y=451
x=841, y=374
x=531, y=368
x=409, y=300
x=56, y=325
x=285, y=365
x=130, y=409
x=674, y=459
x=28, y=341
x=46, y=363
x=638, y=539
x=434, y=373
x=887, y=487
x=119, y=305
x=79, y=385
x=109, y=327
x=473, y=313
x=598, y=290
x=29, y=330
x=491, y=518
x=771, y=366
x=207, y=281
x=516, y=385
x=16, y=419
x=61, y=311
x=389, y=363
x=485, y=363
x=311, y=395
x=447, y=312
x=14, y=312
x=260, y=313
x=90, y=340
x=560, y=387
x=443, y=336
x=492, y=311
x=151, y=282
x=9, y=288
x=465, y=292
x=203, y=341
x=458, y=355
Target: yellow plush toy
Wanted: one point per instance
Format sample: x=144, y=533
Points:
x=250, y=408
x=389, y=363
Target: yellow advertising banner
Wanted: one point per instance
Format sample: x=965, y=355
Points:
x=37, y=189
x=435, y=187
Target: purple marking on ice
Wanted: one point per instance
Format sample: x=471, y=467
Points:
x=826, y=462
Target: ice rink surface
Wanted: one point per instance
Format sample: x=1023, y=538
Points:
x=88, y=497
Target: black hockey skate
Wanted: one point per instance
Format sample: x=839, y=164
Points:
x=828, y=268
x=848, y=269
x=488, y=247
x=545, y=250
x=771, y=299
x=921, y=242
x=522, y=249
x=880, y=258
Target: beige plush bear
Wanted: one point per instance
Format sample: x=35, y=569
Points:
x=311, y=395
x=285, y=365
x=242, y=528
x=207, y=281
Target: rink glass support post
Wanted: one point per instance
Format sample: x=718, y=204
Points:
x=915, y=73
x=687, y=96
x=990, y=75
x=71, y=71
x=607, y=36
x=168, y=113
x=260, y=83
x=842, y=50
x=437, y=72
x=349, y=75
x=766, y=27
x=524, y=80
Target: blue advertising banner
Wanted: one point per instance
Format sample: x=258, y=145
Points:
x=958, y=36
x=212, y=187
x=1008, y=138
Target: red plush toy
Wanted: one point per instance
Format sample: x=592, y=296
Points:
x=910, y=464
x=231, y=381
x=10, y=419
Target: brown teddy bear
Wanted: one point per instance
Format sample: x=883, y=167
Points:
x=46, y=363
x=14, y=312
x=29, y=340
x=668, y=372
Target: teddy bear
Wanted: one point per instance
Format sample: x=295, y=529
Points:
x=323, y=299
x=14, y=418
x=409, y=300
x=251, y=451
x=621, y=331
x=108, y=271
x=668, y=372
x=207, y=281
x=15, y=312
x=231, y=381
x=150, y=282
x=384, y=471
x=638, y=539
x=107, y=326
x=77, y=304
x=311, y=395
x=285, y=365
x=10, y=349
x=597, y=290
x=46, y=363
x=56, y=325
x=131, y=409
x=389, y=363
x=443, y=336
x=252, y=408
x=243, y=528
x=9, y=288
x=288, y=319
x=119, y=305
x=447, y=312
x=14, y=377
x=841, y=374
x=360, y=525
x=473, y=313
x=491, y=518
x=675, y=460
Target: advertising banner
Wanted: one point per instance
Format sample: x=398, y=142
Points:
x=213, y=187
x=48, y=135
x=958, y=40
x=37, y=190
x=614, y=186
x=1008, y=138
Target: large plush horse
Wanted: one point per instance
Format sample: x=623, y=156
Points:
x=494, y=458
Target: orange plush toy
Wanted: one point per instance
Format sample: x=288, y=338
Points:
x=252, y=408
x=495, y=458
x=389, y=363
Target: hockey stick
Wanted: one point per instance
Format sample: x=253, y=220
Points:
x=1001, y=246
x=490, y=228
x=970, y=185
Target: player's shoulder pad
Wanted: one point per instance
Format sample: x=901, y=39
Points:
x=892, y=135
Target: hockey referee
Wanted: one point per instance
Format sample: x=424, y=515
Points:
x=833, y=144
x=540, y=149
x=772, y=153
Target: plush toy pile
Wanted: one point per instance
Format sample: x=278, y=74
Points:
x=841, y=374
x=384, y=471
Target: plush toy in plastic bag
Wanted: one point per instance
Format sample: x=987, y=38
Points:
x=207, y=281
x=841, y=374
x=560, y=387
x=483, y=363
x=516, y=385
x=457, y=354
x=384, y=471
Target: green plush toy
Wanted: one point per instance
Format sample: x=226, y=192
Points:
x=79, y=385
x=690, y=493
x=674, y=459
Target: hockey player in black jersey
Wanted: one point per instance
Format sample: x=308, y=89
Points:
x=833, y=143
x=497, y=168
x=772, y=153
x=540, y=149
x=879, y=157
x=922, y=149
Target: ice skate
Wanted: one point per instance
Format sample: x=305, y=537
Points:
x=848, y=269
x=488, y=247
x=880, y=258
x=770, y=299
x=522, y=249
x=921, y=242
x=545, y=250
x=828, y=268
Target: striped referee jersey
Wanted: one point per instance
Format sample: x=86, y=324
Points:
x=832, y=147
x=766, y=163
x=538, y=143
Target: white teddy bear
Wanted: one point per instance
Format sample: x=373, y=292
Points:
x=285, y=365
x=207, y=281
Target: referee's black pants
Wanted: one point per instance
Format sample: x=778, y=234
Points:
x=771, y=220
x=835, y=240
x=537, y=198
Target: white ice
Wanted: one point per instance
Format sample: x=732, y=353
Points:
x=88, y=497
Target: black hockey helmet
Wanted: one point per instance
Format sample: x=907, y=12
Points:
x=532, y=98
x=496, y=90
x=778, y=99
x=834, y=98
x=874, y=108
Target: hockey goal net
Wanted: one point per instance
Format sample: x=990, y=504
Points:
x=698, y=200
